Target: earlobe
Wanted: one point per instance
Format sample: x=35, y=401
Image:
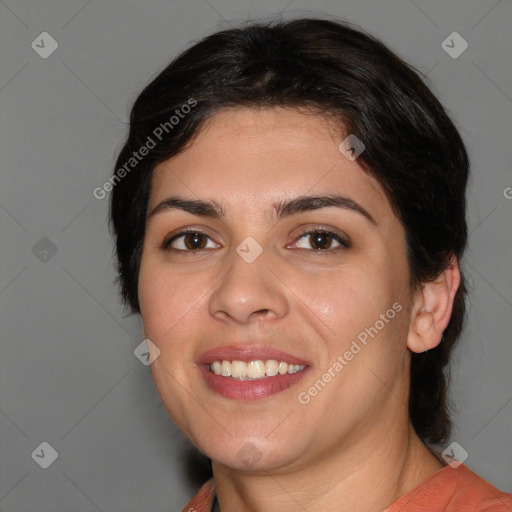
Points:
x=432, y=309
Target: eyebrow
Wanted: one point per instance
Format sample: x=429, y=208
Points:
x=280, y=209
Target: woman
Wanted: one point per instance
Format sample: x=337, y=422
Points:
x=289, y=213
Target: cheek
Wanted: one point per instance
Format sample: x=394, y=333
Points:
x=168, y=303
x=350, y=296
x=356, y=304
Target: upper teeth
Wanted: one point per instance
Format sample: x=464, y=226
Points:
x=253, y=369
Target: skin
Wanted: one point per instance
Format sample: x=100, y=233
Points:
x=352, y=446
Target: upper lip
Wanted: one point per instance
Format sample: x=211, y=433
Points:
x=248, y=353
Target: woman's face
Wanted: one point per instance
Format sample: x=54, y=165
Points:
x=260, y=288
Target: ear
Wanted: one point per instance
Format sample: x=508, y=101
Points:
x=432, y=309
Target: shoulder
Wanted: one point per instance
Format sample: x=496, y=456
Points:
x=203, y=499
x=448, y=490
x=454, y=490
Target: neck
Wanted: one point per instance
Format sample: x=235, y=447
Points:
x=367, y=477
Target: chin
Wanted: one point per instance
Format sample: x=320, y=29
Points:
x=252, y=456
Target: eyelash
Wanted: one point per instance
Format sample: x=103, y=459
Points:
x=344, y=243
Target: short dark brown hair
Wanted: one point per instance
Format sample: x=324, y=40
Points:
x=411, y=147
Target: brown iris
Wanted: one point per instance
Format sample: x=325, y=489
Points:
x=193, y=241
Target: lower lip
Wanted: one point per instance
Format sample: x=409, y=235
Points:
x=250, y=389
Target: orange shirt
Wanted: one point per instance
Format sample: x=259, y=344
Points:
x=447, y=490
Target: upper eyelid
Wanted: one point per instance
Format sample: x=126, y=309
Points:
x=308, y=226
x=185, y=231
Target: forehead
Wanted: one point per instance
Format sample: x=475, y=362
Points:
x=250, y=158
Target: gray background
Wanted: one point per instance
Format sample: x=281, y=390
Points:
x=68, y=373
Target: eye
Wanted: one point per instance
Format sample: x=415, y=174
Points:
x=188, y=241
x=196, y=241
x=320, y=238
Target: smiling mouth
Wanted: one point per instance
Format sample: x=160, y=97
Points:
x=253, y=370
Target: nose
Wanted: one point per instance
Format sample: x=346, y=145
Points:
x=249, y=292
